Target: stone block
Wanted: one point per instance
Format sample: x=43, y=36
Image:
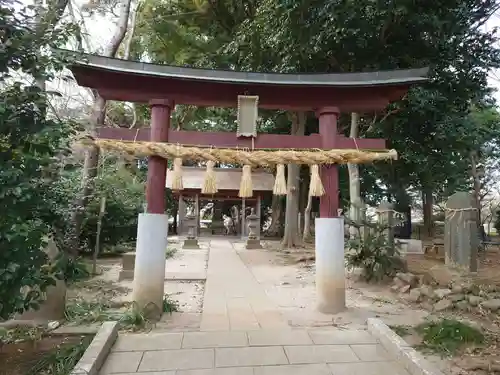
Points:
x=128, y=264
x=320, y=354
x=184, y=359
x=253, y=356
x=253, y=244
x=411, y=246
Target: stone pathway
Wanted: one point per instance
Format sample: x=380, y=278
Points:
x=242, y=332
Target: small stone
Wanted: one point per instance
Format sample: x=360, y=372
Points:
x=405, y=289
x=441, y=293
x=398, y=282
x=462, y=305
x=474, y=289
x=53, y=325
x=408, y=278
x=414, y=295
x=395, y=288
x=427, y=291
x=426, y=306
x=474, y=300
x=456, y=297
x=442, y=305
x=492, y=304
x=457, y=289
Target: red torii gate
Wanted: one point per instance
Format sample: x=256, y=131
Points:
x=163, y=86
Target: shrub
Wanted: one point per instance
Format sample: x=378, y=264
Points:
x=372, y=253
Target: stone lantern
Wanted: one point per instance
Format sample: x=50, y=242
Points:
x=191, y=242
x=253, y=241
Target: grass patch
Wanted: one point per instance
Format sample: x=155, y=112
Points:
x=401, y=330
x=62, y=360
x=448, y=336
x=83, y=312
x=170, y=252
x=169, y=305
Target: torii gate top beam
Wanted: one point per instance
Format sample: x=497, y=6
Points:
x=123, y=80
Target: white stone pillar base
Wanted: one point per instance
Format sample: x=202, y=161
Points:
x=149, y=272
x=330, y=266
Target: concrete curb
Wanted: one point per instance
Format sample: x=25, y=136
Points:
x=400, y=350
x=95, y=355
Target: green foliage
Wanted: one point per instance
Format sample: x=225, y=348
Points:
x=32, y=144
x=85, y=312
x=401, y=330
x=497, y=222
x=123, y=188
x=376, y=257
x=62, y=360
x=170, y=305
x=447, y=336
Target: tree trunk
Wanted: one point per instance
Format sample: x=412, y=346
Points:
x=477, y=193
x=291, y=236
x=428, y=203
x=91, y=163
x=354, y=184
x=274, y=227
x=306, y=236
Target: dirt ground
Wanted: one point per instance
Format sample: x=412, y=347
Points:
x=288, y=278
x=19, y=358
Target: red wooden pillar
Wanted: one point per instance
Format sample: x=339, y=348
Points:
x=329, y=202
x=157, y=166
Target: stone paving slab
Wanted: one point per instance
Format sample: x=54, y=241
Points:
x=341, y=336
x=251, y=356
x=193, y=340
x=184, y=359
x=320, y=354
x=143, y=342
x=278, y=337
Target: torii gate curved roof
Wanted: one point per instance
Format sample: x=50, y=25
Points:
x=117, y=79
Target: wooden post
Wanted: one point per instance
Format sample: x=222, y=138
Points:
x=257, y=210
x=329, y=228
x=243, y=219
x=329, y=202
x=157, y=166
x=197, y=214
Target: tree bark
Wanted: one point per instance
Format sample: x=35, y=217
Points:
x=354, y=183
x=428, y=203
x=306, y=236
x=91, y=163
x=274, y=228
x=291, y=236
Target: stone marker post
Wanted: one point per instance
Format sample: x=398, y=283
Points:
x=461, y=237
x=385, y=213
x=53, y=304
x=191, y=241
x=253, y=241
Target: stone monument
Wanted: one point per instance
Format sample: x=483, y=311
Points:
x=191, y=242
x=253, y=241
x=53, y=304
x=385, y=213
x=461, y=236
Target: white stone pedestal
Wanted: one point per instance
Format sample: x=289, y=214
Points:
x=330, y=266
x=149, y=270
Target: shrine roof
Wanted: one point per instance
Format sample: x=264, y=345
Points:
x=231, y=76
x=227, y=179
x=133, y=81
